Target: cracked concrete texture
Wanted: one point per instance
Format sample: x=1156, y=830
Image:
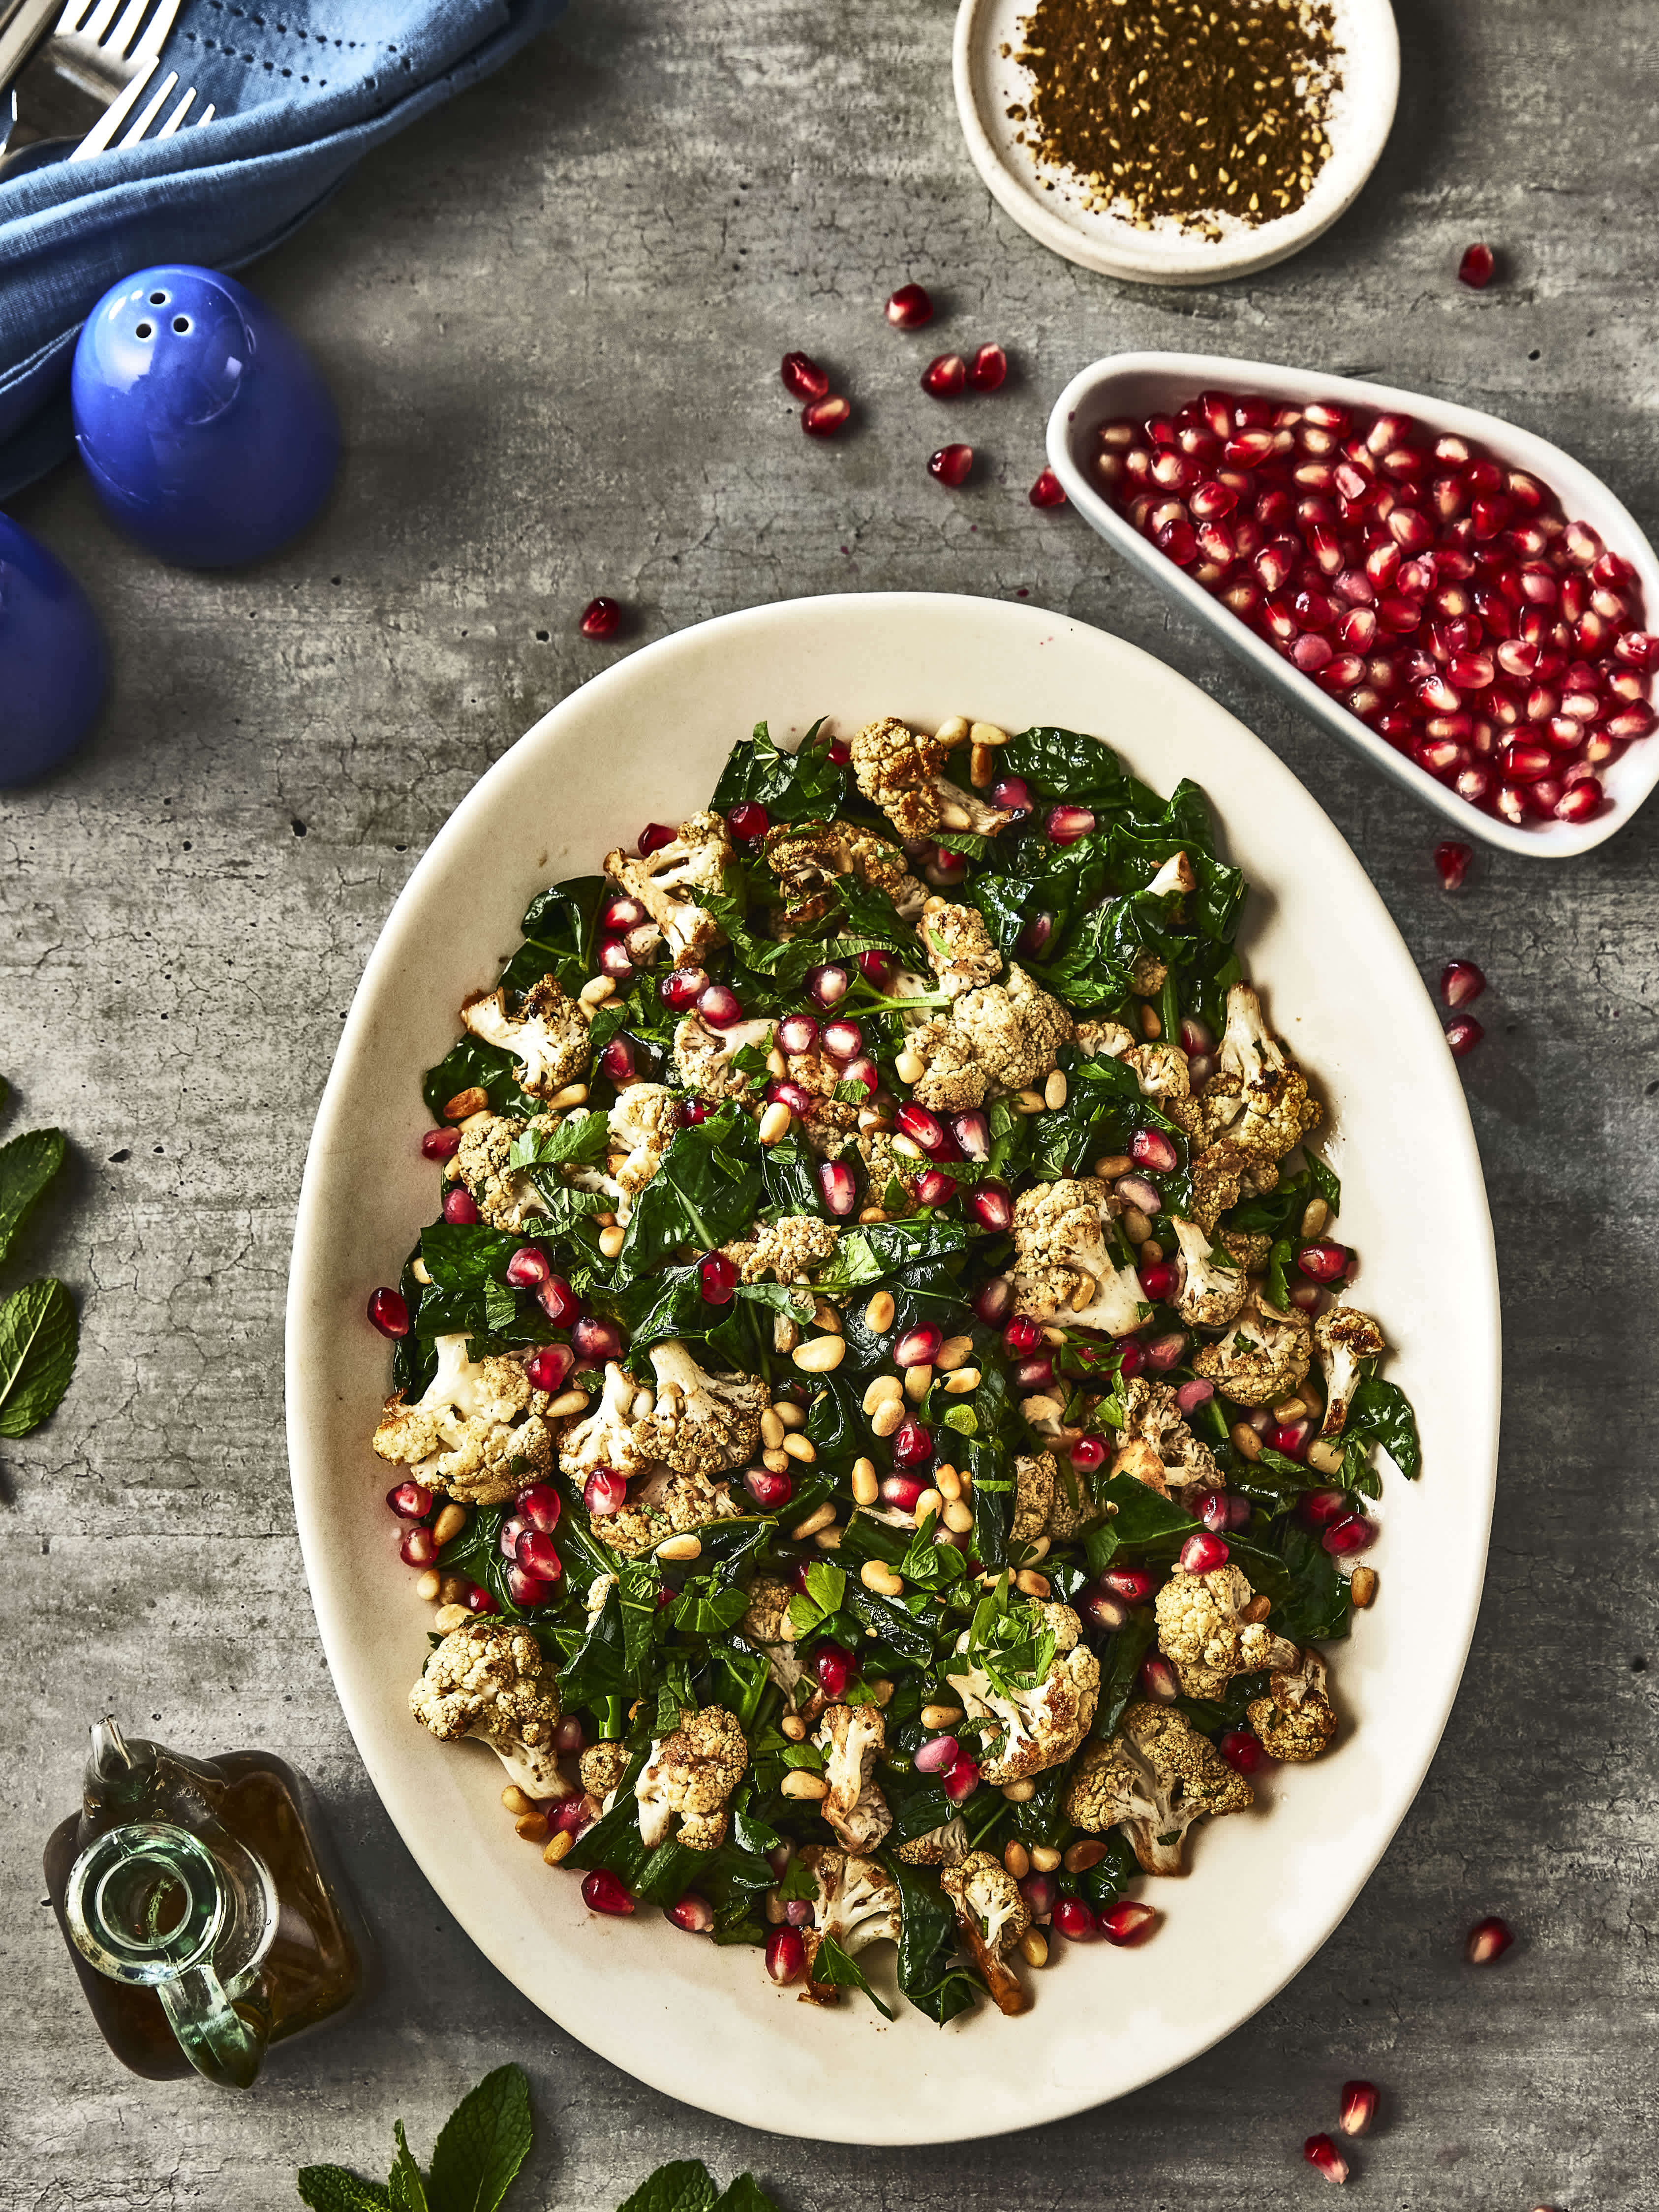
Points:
x=552, y=314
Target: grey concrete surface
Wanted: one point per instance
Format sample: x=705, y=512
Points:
x=553, y=314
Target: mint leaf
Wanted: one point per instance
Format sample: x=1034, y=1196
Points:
x=39, y=1334
x=485, y=2140
x=332, y=2189
x=832, y=1965
x=27, y=1165
x=745, y=2195
x=405, y=2191
x=683, y=2187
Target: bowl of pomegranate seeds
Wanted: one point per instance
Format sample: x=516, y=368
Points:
x=1454, y=597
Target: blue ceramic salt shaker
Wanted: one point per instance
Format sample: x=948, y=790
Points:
x=208, y=432
x=51, y=659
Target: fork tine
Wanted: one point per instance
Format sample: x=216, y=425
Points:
x=70, y=19
x=115, y=115
x=156, y=37
x=93, y=26
x=151, y=110
x=178, y=115
x=125, y=42
x=206, y=115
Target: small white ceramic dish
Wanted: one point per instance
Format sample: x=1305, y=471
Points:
x=989, y=81
x=645, y=741
x=1136, y=385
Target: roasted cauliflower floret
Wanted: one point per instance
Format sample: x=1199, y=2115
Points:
x=643, y=1123
x=689, y=1775
x=547, y=1037
x=1064, y=1269
x=704, y=1424
x=857, y=1903
x=489, y=1679
x=854, y=1736
x=993, y=1915
x=1155, y=1777
x=1162, y=1069
x=505, y=1195
x=807, y=857
x=665, y=1503
x=959, y=948
x=1212, y=1290
x=1345, y=1337
x=891, y=1178
x=938, y=1847
x=1159, y=1448
x=703, y=1057
x=478, y=1430
x=1254, y=1109
x=667, y=884
x=1050, y=1500
x=1029, y=1730
x=1295, y=1720
x=786, y=1250
x=1203, y=1632
x=904, y=773
x=1263, y=1355
x=997, y=1039
x=602, y=1767
x=765, y=1628
x=608, y=1437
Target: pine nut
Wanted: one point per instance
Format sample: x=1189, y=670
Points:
x=957, y=1516
x=882, y=1579
x=1021, y=1792
x=947, y=1482
x=1362, y=1586
x=1288, y=1410
x=793, y=1727
x=982, y=767
x=987, y=733
x=1314, y=1214
x=820, y=1355
x=1114, y=1165
x=452, y=1588
x=680, y=1547
x=909, y=1067
x=611, y=1242
x=907, y=1148
x=786, y=1333
x=884, y=1386
x=1053, y=1091
x=771, y=1429
x=605, y=1220
x=1016, y=1859
x=1044, y=1858
x=929, y=1502
x=1037, y=1549
x=515, y=1801
x=1150, y=1026
x=1028, y=1101
x=596, y=991
x=878, y=1314
x=918, y=1381
x=1054, y=1338
x=819, y=1517
x=574, y=1094
x=776, y=1911
x=827, y=1540
x=881, y=1690
x=888, y=1416
x=1031, y=1583
x=776, y=1462
x=1136, y=1227
x=962, y=1381
x=473, y=1099
x=775, y=1123
x=568, y=1403
x=953, y=1352
x=1089, y=1852
x=870, y=1120
x=952, y=730
x=965, y=1480
x=449, y=1523
x=1258, y=1609
x=1245, y=1440
x=428, y=1585
x=421, y=1272
x=775, y=1062
x=791, y=1415
x=826, y=1317
x=800, y=1448
x=1034, y=1947
x=872, y=1214
x=532, y=1826
x=1325, y=1455
x=866, y=1485
x=559, y=1847
x=800, y=1782
x=940, y=1717
x=449, y=1616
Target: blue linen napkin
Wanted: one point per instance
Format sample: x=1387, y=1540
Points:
x=304, y=89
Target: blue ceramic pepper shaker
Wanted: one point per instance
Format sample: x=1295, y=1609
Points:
x=209, y=435
x=51, y=659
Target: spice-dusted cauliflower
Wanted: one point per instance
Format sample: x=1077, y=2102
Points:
x=904, y=774
x=854, y=1736
x=505, y=1195
x=1251, y=1247
x=959, y=948
x=1263, y=1355
x=643, y=1122
x=806, y=858
x=891, y=1176
x=690, y=1774
x=608, y=1437
x=478, y=1430
x=602, y=1767
x=1162, y=1069
x=1295, y=1720
x=704, y=1056
x=666, y=884
x=488, y=1679
x=993, y=1915
x=787, y=1250
x=1155, y=1777
x=996, y=1039
x=547, y=1036
x=857, y=1902
x=664, y=1504
x=1212, y=1290
x=1050, y=1499
x=939, y=1846
x=1344, y=1337
x=765, y=1628
x=1254, y=1109
x=1159, y=1448
x=1028, y=1731
x=1064, y=1269
x=1205, y=1632
x=703, y=1424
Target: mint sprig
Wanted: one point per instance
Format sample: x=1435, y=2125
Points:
x=40, y=1331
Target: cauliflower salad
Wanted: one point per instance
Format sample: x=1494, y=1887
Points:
x=882, y=1414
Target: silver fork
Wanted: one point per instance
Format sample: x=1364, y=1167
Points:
x=103, y=133
x=97, y=50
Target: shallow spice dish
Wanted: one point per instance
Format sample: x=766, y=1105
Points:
x=1132, y=385
x=646, y=740
x=989, y=81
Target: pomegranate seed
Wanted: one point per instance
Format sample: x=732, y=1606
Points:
x=1463, y=1035
x=546, y=1370
x=1322, y=2153
x=1021, y=1335
x=1201, y=1555
x=959, y=1781
x=771, y=1492
x=1088, y=1453
x=990, y=368
x=570, y=1814
x=842, y=1040
x=1241, y=1749
x=1130, y=1357
x=1323, y=1262
x=1581, y=801
x=993, y=1300
x=1012, y=794
x=1487, y=1941
x=786, y=1955
x=1157, y=1679
x=418, y=1548
x=595, y=1340
x=536, y=1555
x=1211, y=1508
x=603, y=1892
x=1151, y=1148
x=441, y=1144
x=937, y=1755
x=388, y=1309
x=528, y=1268
x=1164, y=1352
x=991, y=1204
x=682, y=987
x=601, y=617
x=1104, y=1607
x=478, y=1599
x=934, y=1187
x=459, y=1208
x=1048, y=490
x=617, y=1060
x=1157, y=1278
x=909, y=307
x=784, y=1092
x=1320, y=1508
x=826, y=418
x=836, y=1188
x=569, y=1736
x=1076, y=1920
x=410, y=1500
x=1133, y=1584
x=1452, y=859
x=621, y=914
x=717, y=1278
x=902, y=1492
x=1359, y=2107
x=540, y=1506
x=1461, y=983
x=720, y=1007
x=917, y=1347
x=1190, y=1397
x=1067, y=824
x=1128, y=1923
x=561, y=1305
x=612, y=960
x=604, y=1493
x=912, y=1444
x=922, y=1127
x=951, y=464
x=1352, y=1534
x=693, y=1913
x=803, y=378
x=945, y=377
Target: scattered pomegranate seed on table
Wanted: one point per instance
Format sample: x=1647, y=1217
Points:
x=1359, y=2107
x=601, y=617
x=950, y=464
x=802, y=375
x=1452, y=859
x=1463, y=1035
x=909, y=307
x=990, y=369
x=1048, y=490
x=1487, y=1941
x=1323, y=2155
x=1475, y=269
x=1461, y=983
x=828, y=417
x=945, y=377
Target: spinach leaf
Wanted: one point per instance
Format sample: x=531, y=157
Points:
x=832, y=1966
x=930, y=1974
x=1102, y=1885
x=791, y=787
x=1382, y=1412
x=705, y=1193
x=1120, y=1667
x=1315, y=1605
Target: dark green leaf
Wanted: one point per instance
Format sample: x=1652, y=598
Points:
x=1382, y=1412
x=40, y=1335
x=682, y=2187
x=332, y=2189
x=404, y=2188
x=485, y=2140
x=1120, y=1667
x=832, y=1965
x=929, y=1974
x=745, y=2195
x=27, y=1165
x=791, y=787
x=706, y=1192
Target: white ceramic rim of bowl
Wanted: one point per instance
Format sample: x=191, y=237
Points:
x=702, y=2024
x=1114, y=247
x=1087, y=401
